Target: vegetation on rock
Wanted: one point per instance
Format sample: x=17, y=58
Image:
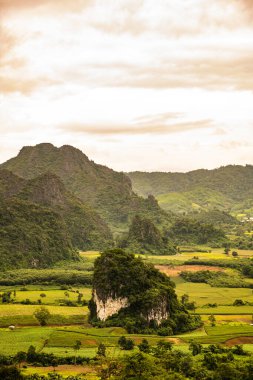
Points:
x=153, y=304
x=144, y=237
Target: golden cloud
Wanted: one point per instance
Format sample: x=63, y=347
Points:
x=62, y=5
x=136, y=128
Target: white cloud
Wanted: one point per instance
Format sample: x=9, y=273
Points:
x=125, y=74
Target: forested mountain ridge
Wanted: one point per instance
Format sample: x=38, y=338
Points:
x=86, y=228
x=31, y=235
x=41, y=222
x=228, y=187
x=105, y=190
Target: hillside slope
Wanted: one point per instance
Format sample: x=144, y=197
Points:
x=229, y=187
x=31, y=235
x=85, y=228
x=106, y=191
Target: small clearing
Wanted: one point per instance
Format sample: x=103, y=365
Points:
x=240, y=340
x=175, y=270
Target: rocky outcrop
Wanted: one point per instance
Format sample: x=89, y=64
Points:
x=158, y=313
x=130, y=293
x=110, y=306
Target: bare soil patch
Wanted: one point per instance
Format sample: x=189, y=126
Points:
x=175, y=270
x=175, y=340
x=89, y=342
x=65, y=369
x=239, y=340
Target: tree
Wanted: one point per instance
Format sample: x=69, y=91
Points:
x=125, y=344
x=140, y=366
x=31, y=354
x=210, y=361
x=77, y=347
x=42, y=315
x=162, y=347
x=101, y=350
x=212, y=320
x=79, y=297
x=54, y=363
x=185, y=299
x=43, y=295
x=195, y=348
x=226, y=248
x=238, y=302
x=20, y=357
x=144, y=346
x=10, y=373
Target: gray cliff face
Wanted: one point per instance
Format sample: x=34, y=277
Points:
x=106, y=308
x=158, y=313
x=110, y=306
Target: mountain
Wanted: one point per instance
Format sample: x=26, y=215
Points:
x=189, y=231
x=31, y=235
x=144, y=237
x=10, y=184
x=214, y=216
x=108, y=192
x=85, y=227
x=226, y=188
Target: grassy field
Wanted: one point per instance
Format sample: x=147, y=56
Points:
x=215, y=254
x=88, y=372
x=68, y=324
x=60, y=341
x=51, y=296
x=229, y=318
x=17, y=309
x=89, y=255
x=236, y=310
x=203, y=294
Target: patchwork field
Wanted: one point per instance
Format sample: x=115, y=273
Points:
x=68, y=324
x=175, y=270
x=17, y=309
x=213, y=254
x=236, y=310
x=203, y=294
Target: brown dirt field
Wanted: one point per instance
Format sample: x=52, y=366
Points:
x=89, y=342
x=175, y=270
x=66, y=369
x=239, y=340
x=175, y=340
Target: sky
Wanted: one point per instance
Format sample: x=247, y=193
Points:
x=151, y=85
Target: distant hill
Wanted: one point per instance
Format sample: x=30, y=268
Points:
x=216, y=217
x=144, y=237
x=108, y=192
x=87, y=230
x=31, y=235
x=93, y=203
x=226, y=188
x=189, y=231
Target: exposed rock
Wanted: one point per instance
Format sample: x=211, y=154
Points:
x=129, y=293
x=158, y=313
x=110, y=306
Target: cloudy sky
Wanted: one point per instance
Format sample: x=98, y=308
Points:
x=136, y=84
